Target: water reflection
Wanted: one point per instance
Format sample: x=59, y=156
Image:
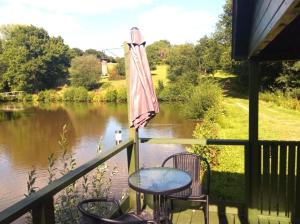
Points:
x=28, y=137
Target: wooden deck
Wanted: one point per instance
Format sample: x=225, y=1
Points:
x=191, y=216
x=196, y=216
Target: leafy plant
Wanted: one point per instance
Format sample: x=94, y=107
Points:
x=205, y=97
x=206, y=130
x=95, y=184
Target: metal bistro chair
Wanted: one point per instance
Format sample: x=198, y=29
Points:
x=90, y=208
x=197, y=167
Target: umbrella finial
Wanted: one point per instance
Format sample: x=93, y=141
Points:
x=136, y=36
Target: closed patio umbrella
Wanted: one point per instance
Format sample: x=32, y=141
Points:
x=143, y=100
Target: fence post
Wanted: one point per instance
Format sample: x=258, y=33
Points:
x=43, y=213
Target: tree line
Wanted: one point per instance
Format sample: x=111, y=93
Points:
x=213, y=52
x=31, y=61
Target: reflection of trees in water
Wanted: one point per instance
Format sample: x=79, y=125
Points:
x=31, y=139
x=91, y=119
x=171, y=117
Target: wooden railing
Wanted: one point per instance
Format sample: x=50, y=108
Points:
x=277, y=191
x=41, y=203
x=279, y=181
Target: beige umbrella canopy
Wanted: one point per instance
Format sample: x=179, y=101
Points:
x=143, y=101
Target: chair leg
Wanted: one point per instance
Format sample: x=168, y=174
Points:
x=207, y=211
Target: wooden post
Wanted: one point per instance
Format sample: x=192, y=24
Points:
x=252, y=159
x=132, y=152
x=43, y=213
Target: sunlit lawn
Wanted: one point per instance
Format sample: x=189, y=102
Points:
x=159, y=74
x=275, y=123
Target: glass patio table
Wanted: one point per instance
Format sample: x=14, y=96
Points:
x=160, y=182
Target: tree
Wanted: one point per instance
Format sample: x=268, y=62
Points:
x=120, y=67
x=31, y=60
x=85, y=71
x=74, y=52
x=182, y=59
x=158, y=52
x=223, y=36
x=208, y=53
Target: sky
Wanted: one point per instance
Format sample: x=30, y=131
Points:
x=103, y=25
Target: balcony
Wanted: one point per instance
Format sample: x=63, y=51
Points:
x=271, y=184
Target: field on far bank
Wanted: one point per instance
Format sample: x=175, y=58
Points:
x=159, y=74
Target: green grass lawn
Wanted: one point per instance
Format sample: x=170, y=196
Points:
x=159, y=74
x=275, y=123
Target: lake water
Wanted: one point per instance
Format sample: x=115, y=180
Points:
x=29, y=134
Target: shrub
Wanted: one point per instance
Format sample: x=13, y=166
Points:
x=47, y=96
x=94, y=185
x=160, y=86
x=115, y=76
x=180, y=90
x=76, y=94
x=111, y=95
x=106, y=85
x=295, y=93
x=281, y=99
x=27, y=98
x=122, y=95
x=85, y=71
x=206, y=130
x=206, y=96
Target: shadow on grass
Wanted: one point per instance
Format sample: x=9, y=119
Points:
x=232, y=87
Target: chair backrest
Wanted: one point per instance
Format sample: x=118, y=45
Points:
x=90, y=217
x=196, y=165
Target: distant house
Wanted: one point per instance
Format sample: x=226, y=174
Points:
x=104, y=70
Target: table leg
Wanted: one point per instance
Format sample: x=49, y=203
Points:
x=164, y=202
x=156, y=209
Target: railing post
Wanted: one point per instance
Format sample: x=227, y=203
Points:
x=252, y=157
x=43, y=213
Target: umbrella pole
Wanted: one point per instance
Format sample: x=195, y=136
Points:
x=137, y=166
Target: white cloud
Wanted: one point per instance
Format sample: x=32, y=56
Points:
x=81, y=7
x=54, y=23
x=175, y=24
x=64, y=18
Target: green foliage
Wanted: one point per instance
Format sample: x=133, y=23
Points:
x=208, y=52
x=180, y=90
x=160, y=87
x=75, y=52
x=111, y=95
x=205, y=97
x=47, y=96
x=85, y=71
x=120, y=67
x=122, y=95
x=94, y=185
x=31, y=60
x=206, y=130
x=76, y=94
x=281, y=99
x=182, y=59
x=157, y=53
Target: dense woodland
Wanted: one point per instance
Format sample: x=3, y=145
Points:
x=31, y=61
